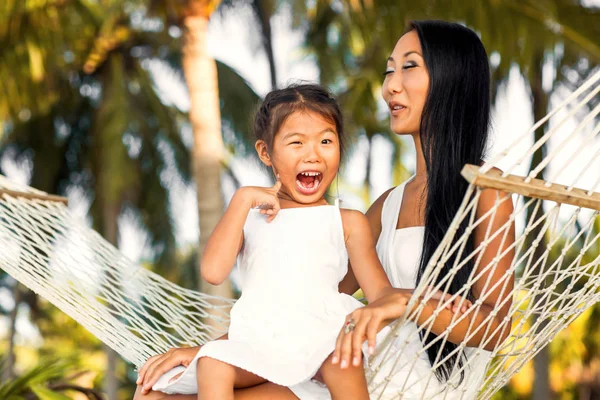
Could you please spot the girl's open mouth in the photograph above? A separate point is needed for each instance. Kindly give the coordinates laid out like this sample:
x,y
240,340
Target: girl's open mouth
x,y
308,182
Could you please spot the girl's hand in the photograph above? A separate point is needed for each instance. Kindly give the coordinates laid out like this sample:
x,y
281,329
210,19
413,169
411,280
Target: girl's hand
x,y
157,365
264,198
455,305
364,323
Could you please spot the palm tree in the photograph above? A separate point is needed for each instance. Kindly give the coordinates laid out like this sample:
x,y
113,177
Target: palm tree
x,y
205,78
106,132
113,131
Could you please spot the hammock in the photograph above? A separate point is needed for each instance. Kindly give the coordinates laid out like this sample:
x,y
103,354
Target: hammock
x,y
556,262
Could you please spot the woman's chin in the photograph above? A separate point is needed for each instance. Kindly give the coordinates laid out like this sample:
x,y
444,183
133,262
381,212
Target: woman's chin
x,y
403,131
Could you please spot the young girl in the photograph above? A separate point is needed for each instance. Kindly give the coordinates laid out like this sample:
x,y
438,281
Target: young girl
x,y
292,249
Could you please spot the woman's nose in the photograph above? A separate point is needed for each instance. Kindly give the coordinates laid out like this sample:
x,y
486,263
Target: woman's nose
x,y
394,82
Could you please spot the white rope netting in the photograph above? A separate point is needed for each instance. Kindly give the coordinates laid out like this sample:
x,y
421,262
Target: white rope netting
x,y
554,260
136,312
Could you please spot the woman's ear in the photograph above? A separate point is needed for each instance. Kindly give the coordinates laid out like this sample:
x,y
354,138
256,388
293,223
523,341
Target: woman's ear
x,y
263,152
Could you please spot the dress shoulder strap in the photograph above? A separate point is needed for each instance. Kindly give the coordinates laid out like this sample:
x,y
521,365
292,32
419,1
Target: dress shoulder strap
x,y
389,220
391,207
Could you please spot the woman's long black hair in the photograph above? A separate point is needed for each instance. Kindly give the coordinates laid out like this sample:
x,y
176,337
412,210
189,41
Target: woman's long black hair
x,y
454,132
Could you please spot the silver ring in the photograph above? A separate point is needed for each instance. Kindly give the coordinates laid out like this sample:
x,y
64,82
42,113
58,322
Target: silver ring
x,y
350,325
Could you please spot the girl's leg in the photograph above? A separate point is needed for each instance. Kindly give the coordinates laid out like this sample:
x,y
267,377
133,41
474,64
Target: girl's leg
x,y
217,379
264,391
345,384
152,395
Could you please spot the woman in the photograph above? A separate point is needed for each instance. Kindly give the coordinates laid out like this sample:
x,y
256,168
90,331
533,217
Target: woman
x,y
436,85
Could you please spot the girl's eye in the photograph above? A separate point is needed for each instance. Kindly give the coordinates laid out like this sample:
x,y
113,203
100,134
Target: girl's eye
x,y
296,142
326,141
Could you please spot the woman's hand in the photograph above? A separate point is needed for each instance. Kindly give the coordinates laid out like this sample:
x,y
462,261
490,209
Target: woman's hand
x,y
458,305
364,323
157,365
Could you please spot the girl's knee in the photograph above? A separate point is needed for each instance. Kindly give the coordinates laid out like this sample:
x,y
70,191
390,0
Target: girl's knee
x,y
151,395
211,367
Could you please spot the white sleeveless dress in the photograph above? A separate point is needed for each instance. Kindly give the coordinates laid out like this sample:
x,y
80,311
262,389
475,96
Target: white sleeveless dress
x,y
400,251
290,313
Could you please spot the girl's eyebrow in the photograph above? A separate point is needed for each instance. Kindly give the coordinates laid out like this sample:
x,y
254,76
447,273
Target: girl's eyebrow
x,y
287,136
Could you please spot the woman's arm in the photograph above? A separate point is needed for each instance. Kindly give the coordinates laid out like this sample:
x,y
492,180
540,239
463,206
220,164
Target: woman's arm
x,y
481,322
494,286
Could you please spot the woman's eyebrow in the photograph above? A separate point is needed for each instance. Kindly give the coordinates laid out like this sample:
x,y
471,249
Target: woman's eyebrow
x,y
408,53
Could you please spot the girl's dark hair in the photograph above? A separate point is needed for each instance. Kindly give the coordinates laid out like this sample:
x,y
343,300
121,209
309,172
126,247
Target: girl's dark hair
x,y
454,132
279,104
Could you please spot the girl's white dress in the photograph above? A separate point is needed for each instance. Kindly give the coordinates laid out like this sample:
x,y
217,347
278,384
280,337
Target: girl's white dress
x,y
289,315
400,251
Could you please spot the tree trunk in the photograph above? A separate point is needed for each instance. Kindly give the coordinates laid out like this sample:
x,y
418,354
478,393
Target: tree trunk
x,y
541,362
200,72
110,216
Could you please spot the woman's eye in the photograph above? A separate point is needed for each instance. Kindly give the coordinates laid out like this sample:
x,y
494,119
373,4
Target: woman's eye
x,y
388,71
326,141
409,65
296,142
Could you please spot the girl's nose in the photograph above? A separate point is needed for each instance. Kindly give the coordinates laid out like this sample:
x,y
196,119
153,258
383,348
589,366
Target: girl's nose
x,y
311,155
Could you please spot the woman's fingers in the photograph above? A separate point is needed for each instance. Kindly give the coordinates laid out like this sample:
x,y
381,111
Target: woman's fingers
x,y
346,350
335,358
160,368
144,368
371,333
466,304
149,366
358,338
460,304
170,360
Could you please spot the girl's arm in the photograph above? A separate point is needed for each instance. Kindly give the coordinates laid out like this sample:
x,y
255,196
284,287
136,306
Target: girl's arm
x,y
349,284
365,264
227,238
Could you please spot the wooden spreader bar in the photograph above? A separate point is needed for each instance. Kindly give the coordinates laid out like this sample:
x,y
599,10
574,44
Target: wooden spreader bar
x,y
534,188
34,196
